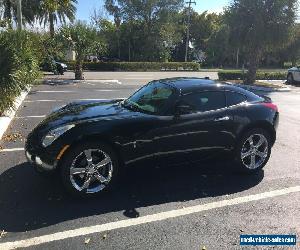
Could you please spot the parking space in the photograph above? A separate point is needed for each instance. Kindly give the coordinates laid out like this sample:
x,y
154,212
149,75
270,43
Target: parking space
x,y
32,206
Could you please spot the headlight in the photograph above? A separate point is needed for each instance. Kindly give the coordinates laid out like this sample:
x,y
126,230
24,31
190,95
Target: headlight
x,y
54,134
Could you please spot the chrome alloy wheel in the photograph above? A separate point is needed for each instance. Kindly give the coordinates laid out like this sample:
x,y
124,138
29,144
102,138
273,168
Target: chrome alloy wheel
x,y
255,151
91,171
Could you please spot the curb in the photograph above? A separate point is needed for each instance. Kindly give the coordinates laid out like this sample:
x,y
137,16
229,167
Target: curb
x,y
10,113
68,81
264,89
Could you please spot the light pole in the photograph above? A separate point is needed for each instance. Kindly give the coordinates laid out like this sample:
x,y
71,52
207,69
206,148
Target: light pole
x,y
19,14
188,30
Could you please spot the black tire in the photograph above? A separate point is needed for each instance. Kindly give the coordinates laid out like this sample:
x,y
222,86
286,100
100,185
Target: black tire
x,y
60,70
77,151
290,78
240,163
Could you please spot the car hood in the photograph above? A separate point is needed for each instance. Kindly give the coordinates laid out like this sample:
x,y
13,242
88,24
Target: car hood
x,y
77,112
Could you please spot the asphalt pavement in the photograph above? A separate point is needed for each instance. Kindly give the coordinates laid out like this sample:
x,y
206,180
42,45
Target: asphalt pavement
x,y
183,207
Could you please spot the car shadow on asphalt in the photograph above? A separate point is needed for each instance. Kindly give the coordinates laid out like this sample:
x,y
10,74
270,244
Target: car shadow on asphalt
x,y
297,85
29,202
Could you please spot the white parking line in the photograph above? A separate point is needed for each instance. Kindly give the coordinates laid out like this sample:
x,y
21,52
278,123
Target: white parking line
x,y
11,149
30,116
144,219
107,81
87,99
55,91
138,78
107,90
30,101
140,75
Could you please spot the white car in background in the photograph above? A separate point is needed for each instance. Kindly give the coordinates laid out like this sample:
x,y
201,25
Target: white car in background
x,y
293,75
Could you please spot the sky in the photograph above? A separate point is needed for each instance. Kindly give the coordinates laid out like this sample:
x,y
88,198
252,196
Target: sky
x,y
85,7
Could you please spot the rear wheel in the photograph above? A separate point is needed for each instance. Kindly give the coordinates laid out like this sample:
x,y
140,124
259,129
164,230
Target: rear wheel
x,y
61,70
89,169
253,151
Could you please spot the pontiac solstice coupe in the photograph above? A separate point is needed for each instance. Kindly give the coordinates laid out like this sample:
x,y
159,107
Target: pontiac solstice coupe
x,y
170,121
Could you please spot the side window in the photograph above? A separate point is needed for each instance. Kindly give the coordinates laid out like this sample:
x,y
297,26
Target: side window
x,y
204,101
154,98
234,98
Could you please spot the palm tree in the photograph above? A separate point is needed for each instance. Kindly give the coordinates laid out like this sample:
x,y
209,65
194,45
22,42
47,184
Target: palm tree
x,y
29,9
57,10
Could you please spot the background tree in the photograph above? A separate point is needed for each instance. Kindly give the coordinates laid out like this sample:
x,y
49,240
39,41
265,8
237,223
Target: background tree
x,y
259,26
219,51
115,11
202,28
84,40
291,52
30,9
142,22
52,11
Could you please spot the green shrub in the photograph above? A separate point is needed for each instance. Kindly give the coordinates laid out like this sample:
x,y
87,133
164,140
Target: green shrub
x,y
138,66
19,66
231,75
261,75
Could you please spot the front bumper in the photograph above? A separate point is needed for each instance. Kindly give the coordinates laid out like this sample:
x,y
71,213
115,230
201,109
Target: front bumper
x,y
39,165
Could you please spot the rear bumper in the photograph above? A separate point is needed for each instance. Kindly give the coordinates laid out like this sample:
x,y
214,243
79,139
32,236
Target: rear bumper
x,y
276,120
275,126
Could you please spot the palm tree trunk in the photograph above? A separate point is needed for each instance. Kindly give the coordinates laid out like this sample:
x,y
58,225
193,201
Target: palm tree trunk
x,y
119,49
254,57
237,58
51,24
79,70
129,50
7,13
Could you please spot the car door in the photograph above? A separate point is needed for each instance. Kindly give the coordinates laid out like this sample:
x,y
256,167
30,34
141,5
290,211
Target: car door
x,y
141,146
154,103
202,132
164,143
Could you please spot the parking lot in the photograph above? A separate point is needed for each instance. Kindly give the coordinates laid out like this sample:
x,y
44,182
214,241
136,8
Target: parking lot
x,y
182,207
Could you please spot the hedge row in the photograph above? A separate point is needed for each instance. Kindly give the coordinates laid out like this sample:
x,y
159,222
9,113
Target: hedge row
x,y
138,66
261,75
19,66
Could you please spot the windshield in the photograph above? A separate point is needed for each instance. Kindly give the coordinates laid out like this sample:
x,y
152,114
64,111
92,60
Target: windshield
x,y
154,98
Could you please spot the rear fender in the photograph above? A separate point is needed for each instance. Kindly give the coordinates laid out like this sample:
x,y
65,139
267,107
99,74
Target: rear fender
x,y
259,124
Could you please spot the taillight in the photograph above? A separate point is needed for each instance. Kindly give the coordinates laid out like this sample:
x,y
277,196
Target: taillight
x,y
271,105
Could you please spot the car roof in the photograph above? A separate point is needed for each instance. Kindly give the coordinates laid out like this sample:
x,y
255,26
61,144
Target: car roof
x,y
187,85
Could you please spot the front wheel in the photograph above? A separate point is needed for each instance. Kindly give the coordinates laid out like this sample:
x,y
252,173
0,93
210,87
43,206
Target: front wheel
x,y
89,169
253,151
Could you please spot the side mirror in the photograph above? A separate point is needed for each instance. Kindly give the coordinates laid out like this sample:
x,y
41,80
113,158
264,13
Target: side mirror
x,y
182,110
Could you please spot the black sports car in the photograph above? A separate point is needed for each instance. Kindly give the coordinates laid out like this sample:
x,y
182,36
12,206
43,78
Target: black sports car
x,y
55,67
171,121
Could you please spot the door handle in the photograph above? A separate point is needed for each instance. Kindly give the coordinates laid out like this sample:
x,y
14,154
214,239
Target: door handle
x,y
225,118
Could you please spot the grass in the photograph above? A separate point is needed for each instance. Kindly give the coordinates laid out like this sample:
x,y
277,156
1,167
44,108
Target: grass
x,y
240,69
259,83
